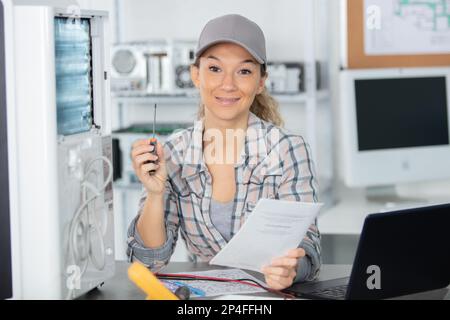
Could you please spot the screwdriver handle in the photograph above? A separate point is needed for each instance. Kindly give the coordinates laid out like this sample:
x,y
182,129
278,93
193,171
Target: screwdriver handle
x,y
153,142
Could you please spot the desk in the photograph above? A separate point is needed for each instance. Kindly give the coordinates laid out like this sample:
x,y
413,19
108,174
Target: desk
x,y
346,217
341,223
121,288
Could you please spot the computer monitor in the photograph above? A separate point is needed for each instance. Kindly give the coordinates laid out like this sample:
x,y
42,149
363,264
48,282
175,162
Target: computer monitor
x,y
394,126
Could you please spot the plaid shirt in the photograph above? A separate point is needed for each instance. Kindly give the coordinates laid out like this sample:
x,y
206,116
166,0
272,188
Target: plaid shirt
x,y
273,164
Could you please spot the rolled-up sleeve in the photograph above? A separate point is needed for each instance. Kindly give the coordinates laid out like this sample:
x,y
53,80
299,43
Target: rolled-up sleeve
x,y
155,258
299,183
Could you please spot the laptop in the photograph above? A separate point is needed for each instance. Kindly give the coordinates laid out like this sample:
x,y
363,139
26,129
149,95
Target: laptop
x,y
399,253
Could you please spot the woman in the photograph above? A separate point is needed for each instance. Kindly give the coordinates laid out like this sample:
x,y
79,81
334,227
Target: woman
x,y
210,176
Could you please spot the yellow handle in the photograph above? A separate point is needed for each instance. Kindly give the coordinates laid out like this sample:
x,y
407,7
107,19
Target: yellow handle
x,y
148,283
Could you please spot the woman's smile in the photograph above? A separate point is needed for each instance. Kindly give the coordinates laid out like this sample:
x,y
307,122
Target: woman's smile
x,y
227,101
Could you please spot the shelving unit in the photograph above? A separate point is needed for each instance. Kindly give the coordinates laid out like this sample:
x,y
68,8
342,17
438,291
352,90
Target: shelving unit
x,y
184,99
125,100
315,31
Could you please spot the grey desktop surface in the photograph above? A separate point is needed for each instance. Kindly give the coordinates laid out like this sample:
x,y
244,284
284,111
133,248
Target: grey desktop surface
x,y
121,288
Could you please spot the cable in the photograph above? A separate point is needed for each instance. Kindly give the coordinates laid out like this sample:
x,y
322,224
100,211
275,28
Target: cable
x,y
240,281
250,282
110,170
81,259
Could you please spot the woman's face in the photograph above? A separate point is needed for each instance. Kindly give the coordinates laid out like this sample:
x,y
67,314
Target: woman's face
x,y
228,78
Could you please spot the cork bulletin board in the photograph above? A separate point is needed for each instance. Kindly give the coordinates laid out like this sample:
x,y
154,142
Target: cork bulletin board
x,y
358,59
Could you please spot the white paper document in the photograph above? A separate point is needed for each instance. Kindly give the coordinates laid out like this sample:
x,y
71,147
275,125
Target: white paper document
x,y
272,229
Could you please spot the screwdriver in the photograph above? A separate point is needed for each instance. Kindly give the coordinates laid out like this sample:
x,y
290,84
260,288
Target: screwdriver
x,y
153,142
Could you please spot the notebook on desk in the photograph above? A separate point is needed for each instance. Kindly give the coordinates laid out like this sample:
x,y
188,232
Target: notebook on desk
x,y
399,253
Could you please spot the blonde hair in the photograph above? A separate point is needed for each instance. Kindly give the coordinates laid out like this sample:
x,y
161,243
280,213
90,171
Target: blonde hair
x,y
264,106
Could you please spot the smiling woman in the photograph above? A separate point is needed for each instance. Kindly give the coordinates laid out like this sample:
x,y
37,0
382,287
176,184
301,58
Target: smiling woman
x,y
211,175
228,78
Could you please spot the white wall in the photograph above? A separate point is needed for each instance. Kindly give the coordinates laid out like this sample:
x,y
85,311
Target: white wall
x,y
280,20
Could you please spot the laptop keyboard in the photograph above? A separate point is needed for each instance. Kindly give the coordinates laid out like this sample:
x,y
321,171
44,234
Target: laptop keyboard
x,y
335,293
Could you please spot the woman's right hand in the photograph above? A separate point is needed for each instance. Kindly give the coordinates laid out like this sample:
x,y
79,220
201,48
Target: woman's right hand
x,y
140,154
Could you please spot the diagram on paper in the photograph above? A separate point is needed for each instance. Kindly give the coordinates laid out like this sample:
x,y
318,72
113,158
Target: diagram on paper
x,y
406,27
211,288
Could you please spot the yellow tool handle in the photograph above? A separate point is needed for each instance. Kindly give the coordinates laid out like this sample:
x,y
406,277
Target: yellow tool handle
x,y
148,283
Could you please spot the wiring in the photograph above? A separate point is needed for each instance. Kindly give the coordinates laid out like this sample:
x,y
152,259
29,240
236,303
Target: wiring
x,y
84,223
250,282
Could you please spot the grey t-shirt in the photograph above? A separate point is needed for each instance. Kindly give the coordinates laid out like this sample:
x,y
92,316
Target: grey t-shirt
x,y
220,213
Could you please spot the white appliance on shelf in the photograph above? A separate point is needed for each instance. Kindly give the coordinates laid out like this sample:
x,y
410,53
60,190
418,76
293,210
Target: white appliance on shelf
x,y
128,68
131,68
59,149
285,77
183,56
159,67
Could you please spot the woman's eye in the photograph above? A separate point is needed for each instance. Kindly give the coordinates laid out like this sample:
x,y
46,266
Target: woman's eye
x,y
246,71
214,69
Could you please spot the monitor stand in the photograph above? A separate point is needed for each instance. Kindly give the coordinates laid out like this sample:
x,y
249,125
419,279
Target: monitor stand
x,y
388,197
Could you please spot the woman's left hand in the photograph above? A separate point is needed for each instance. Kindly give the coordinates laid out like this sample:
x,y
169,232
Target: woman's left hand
x,y
281,273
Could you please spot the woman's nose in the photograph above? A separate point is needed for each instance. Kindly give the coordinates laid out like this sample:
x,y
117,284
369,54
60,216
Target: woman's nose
x,y
228,81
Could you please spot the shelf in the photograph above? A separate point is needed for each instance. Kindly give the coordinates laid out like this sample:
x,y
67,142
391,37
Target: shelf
x,y
191,99
120,185
151,99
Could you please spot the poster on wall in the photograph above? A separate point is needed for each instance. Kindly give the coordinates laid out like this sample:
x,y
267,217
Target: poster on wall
x,y
395,33
398,27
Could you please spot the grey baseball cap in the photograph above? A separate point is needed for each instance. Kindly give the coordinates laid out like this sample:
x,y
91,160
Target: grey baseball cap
x,y
236,29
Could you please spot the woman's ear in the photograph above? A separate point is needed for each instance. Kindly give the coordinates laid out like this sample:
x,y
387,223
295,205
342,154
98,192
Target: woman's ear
x,y
195,76
262,84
